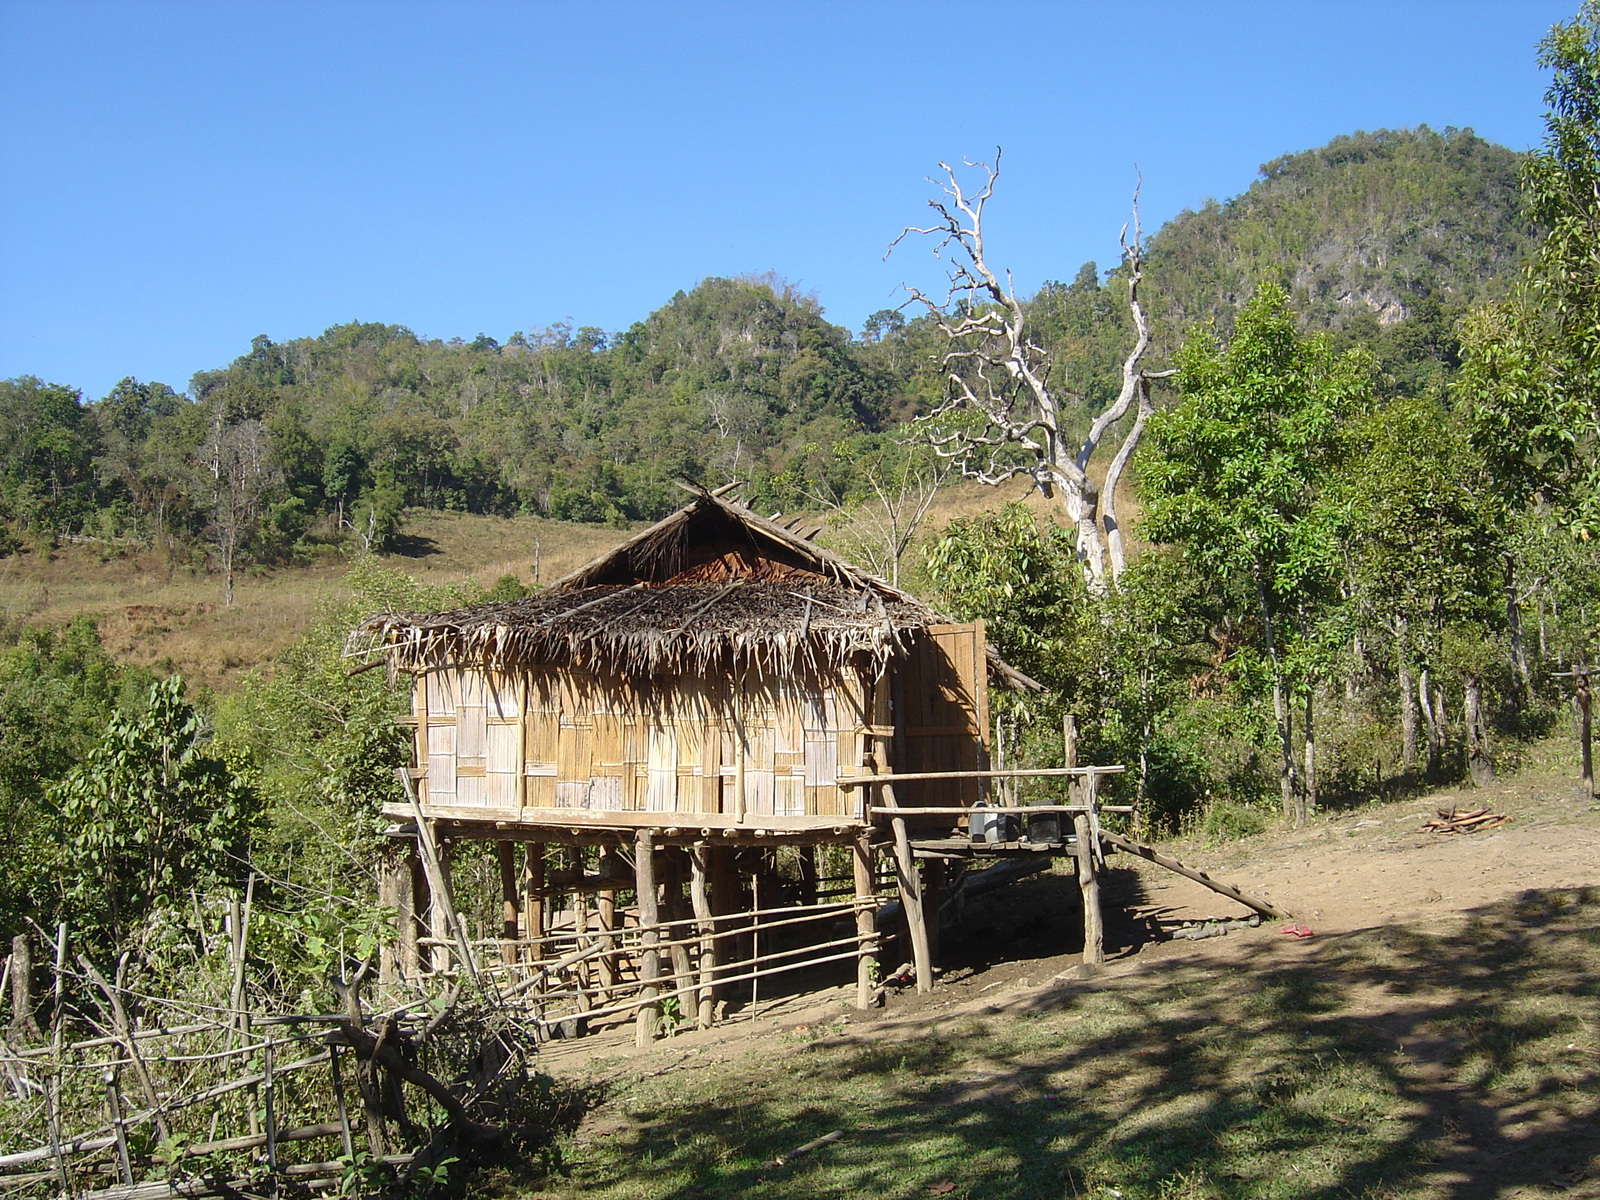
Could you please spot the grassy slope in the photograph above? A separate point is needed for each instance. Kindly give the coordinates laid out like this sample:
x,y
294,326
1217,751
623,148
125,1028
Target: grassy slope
x,y
154,612
1446,1055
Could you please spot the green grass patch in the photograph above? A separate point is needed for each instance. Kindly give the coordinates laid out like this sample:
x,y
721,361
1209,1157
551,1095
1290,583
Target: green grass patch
x,y
1345,1075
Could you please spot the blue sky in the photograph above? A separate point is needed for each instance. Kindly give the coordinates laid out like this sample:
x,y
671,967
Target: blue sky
x,y
176,178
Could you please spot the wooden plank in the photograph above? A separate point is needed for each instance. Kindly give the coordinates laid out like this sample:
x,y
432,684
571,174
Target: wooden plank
x,y
580,818
1271,911
1034,773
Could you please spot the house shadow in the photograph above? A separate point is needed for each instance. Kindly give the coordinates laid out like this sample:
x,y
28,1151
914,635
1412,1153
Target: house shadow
x,y
1389,1061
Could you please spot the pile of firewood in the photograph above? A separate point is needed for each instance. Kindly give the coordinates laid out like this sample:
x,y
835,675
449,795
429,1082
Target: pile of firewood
x,y
1456,821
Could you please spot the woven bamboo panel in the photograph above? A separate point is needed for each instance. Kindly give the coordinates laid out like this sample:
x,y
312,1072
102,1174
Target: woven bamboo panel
x,y
578,741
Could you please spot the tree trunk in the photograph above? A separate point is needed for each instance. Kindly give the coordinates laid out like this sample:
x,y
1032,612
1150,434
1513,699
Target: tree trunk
x,y
1280,712
1519,657
1478,762
1430,726
24,1029
1408,697
1582,702
1309,794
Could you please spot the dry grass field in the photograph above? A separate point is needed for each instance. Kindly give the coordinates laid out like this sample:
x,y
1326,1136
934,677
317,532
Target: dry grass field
x,y
156,611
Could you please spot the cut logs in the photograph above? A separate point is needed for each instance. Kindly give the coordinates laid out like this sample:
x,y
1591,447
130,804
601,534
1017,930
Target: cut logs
x,y
1456,821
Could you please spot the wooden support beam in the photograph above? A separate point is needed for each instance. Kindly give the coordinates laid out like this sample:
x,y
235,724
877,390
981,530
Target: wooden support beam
x,y
706,926
854,781
866,955
1084,847
910,885
648,1017
509,905
1270,911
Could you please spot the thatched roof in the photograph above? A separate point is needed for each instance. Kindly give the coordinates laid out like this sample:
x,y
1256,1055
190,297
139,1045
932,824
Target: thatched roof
x,y
714,586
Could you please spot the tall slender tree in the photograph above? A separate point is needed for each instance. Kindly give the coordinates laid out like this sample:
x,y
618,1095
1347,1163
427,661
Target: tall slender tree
x,y
1235,472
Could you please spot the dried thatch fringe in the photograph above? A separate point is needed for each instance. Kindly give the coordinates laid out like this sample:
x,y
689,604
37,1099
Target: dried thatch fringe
x,y
662,630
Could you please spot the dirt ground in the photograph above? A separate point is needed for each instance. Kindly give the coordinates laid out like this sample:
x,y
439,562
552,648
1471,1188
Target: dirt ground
x,y
1366,882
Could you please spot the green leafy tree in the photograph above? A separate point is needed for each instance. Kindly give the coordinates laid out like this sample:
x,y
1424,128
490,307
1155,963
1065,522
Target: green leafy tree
x,y
1429,554
1235,472
327,742
151,814
1531,368
57,687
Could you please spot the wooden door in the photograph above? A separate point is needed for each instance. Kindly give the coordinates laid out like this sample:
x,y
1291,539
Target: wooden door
x,y
941,706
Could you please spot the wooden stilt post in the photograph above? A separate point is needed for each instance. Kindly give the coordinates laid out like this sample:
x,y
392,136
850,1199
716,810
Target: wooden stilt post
x,y
405,913
606,906
757,896
706,926
1084,851
725,896
676,910
533,912
910,893
509,903
933,888
649,937
866,954
388,968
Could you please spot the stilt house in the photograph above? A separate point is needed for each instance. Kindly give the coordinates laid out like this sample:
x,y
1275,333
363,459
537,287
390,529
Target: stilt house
x,y
715,670
710,688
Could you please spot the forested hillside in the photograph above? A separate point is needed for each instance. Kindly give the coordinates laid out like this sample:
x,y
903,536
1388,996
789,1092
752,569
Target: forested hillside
x,y
1386,237
325,440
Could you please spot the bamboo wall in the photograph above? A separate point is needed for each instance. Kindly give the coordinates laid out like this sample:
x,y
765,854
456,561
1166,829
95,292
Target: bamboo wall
x,y
563,740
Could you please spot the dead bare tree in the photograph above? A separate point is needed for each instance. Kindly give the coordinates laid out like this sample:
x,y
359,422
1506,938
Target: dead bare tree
x,y
238,470
996,373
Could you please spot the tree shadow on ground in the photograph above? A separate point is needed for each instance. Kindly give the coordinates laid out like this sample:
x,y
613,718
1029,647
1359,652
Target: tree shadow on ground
x,y
407,545
1385,1062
